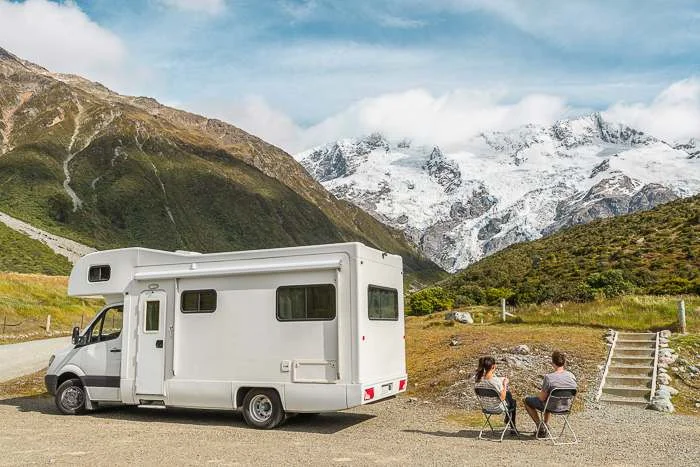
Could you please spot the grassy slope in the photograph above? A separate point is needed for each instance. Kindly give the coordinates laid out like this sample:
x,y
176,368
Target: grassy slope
x,y
27,299
658,251
20,253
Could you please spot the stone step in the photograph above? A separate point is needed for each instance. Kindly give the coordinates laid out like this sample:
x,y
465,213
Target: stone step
x,y
628,380
624,360
633,352
630,370
636,337
636,401
627,391
636,344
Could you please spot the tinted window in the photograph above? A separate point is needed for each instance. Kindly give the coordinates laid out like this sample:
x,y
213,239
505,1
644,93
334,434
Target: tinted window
x,y
306,303
383,303
152,315
99,273
198,301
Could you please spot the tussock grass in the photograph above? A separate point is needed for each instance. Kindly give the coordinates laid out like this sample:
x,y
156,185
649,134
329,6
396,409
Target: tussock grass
x,y
24,386
26,299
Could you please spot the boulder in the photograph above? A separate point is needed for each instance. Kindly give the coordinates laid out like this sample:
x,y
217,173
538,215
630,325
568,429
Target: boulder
x,y
609,340
662,393
665,334
662,405
521,349
664,378
671,391
455,342
459,316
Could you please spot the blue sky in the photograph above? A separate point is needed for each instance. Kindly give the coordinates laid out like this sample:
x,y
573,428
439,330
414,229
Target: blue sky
x,y
280,67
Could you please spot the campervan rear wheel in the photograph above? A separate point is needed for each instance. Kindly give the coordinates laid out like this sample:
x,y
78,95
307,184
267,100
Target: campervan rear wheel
x,y
71,397
262,408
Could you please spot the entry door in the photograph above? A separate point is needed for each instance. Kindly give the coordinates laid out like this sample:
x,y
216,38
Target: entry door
x,y
150,354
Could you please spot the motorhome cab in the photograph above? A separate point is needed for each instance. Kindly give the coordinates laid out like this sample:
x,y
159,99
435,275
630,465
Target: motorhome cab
x,y
269,332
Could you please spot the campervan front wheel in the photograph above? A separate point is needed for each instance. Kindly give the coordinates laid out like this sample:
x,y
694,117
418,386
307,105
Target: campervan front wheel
x,y
71,397
262,408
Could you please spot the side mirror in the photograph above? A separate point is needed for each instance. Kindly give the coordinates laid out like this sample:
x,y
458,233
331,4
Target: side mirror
x,y
76,335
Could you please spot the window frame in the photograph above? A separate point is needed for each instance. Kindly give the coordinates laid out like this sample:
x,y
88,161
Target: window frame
x,y
199,301
100,322
306,301
100,267
388,289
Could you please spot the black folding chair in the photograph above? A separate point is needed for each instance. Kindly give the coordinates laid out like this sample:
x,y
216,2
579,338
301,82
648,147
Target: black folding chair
x,y
491,404
559,402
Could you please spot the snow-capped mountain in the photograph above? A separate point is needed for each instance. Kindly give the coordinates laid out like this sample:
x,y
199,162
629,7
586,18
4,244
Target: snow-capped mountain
x,y
505,187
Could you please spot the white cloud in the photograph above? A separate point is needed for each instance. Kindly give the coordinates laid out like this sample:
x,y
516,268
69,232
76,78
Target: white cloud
x,y
211,7
399,22
61,37
447,120
299,11
673,115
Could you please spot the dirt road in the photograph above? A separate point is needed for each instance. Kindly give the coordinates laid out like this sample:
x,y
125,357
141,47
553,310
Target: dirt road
x,y
393,432
27,357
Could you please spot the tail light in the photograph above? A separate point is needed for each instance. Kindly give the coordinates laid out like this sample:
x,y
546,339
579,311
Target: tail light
x,y
402,385
369,394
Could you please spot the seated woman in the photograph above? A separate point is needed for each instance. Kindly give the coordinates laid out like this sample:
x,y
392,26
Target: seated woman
x,y
485,375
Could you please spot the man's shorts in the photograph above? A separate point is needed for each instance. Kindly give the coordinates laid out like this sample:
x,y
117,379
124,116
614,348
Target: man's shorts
x,y
534,402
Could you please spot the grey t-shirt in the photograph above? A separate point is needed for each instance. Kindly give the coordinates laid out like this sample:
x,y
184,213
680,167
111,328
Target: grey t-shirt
x,y
564,379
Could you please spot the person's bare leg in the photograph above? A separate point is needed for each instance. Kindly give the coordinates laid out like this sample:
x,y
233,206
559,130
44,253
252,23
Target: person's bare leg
x,y
533,415
546,417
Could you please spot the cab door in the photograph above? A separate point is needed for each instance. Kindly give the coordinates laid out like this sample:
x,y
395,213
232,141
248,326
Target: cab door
x,y
100,356
150,346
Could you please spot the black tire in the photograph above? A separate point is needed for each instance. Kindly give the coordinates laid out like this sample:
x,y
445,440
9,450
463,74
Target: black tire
x,y
71,397
262,408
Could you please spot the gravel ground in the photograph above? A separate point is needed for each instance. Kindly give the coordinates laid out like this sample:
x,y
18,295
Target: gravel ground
x,y
392,432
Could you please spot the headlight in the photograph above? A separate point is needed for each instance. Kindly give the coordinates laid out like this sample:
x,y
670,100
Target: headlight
x,y
51,359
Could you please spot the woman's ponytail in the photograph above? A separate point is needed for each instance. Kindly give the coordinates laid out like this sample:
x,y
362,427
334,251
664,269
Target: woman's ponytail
x,y
485,365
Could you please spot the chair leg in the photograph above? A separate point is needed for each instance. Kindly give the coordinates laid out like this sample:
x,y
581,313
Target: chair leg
x,y
573,433
487,422
493,430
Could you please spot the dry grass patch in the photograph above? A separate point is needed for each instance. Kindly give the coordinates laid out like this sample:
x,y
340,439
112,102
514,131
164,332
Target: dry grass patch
x,y
442,372
24,386
688,349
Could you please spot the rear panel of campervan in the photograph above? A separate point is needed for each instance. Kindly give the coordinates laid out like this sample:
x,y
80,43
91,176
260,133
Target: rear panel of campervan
x,y
381,363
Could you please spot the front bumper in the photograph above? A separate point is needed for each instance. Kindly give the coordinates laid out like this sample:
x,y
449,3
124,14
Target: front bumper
x,y
50,382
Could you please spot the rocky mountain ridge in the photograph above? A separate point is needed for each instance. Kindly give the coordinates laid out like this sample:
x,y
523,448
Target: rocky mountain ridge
x,y
107,170
505,187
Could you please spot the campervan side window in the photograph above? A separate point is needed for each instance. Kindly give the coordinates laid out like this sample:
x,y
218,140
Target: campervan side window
x,y
198,301
306,303
383,303
99,273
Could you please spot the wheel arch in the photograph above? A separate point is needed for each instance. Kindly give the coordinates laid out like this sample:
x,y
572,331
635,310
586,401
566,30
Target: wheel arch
x,y
241,392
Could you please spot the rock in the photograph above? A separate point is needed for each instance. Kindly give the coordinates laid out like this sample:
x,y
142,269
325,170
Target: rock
x,y
665,334
662,405
610,332
412,399
454,342
609,340
697,405
662,369
663,365
521,349
462,372
693,369
664,378
662,393
668,389
518,361
459,316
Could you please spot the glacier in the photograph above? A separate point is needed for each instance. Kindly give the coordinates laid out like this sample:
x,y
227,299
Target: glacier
x,y
504,187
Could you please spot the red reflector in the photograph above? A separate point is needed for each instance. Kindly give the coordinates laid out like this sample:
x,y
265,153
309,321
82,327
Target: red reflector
x,y
402,385
369,394
363,337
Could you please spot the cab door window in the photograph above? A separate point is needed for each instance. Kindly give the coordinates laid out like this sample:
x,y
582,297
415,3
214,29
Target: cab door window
x,y
108,326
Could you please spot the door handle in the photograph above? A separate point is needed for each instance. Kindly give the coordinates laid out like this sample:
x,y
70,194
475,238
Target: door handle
x,y
115,350
159,344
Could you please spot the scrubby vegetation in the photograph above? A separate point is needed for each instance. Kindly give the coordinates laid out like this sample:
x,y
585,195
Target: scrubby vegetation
x,y
656,252
20,253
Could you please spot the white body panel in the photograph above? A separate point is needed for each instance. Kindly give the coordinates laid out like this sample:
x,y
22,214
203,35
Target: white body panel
x,y
209,359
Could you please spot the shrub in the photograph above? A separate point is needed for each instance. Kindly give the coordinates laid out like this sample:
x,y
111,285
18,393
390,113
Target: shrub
x,y
612,283
429,300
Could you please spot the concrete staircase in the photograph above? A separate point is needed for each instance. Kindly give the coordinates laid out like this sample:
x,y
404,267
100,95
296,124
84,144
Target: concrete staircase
x,y
631,370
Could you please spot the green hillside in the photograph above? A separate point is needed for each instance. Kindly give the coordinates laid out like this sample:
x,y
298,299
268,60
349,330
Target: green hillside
x,y
143,174
652,252
20,253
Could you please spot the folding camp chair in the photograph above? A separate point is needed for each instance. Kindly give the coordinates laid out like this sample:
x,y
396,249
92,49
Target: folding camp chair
x,y
491,404
559,402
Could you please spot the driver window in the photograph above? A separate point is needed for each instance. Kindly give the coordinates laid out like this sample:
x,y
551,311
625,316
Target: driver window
x,y
108,326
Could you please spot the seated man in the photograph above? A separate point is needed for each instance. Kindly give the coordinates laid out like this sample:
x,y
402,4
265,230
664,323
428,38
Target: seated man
x,y
560,378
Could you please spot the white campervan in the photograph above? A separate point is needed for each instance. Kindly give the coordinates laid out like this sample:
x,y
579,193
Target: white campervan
x,y
270,332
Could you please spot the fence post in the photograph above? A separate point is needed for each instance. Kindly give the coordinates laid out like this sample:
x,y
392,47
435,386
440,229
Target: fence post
x,y
503,310
4,322
48,324
681,316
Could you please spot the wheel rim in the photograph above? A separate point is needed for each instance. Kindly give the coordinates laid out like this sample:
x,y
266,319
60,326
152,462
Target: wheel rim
x,y
73,398
260,408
